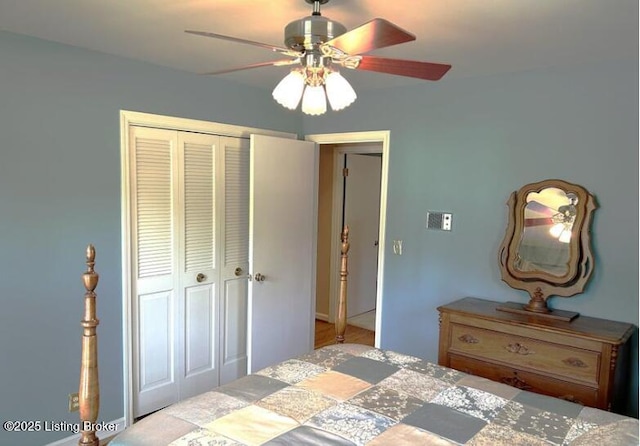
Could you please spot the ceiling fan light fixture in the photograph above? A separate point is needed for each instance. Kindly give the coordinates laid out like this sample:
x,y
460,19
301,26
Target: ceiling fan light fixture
x,y
315,43
289,90
557,230
339,91
565,237
314,101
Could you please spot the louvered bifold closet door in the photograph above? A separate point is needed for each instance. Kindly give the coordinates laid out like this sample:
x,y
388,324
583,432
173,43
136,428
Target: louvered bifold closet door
x,y
235,258
198,263
152,156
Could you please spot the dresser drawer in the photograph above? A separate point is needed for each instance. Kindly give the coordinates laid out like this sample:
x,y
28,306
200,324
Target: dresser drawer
x,y
524,380
584,360
521,353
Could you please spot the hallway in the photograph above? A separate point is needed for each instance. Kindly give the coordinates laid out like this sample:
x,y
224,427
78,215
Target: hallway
x,y
326,335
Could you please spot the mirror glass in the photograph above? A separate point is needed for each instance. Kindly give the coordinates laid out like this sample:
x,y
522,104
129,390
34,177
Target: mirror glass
x,y
549,216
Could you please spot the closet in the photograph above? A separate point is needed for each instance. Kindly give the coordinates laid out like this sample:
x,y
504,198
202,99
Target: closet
x,y
189,211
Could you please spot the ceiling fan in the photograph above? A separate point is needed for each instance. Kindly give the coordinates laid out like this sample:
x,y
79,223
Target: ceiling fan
x,y
540,214
316,46
561,220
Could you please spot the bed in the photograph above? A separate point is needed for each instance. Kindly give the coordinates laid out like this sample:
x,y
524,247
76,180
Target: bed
x,y
350,394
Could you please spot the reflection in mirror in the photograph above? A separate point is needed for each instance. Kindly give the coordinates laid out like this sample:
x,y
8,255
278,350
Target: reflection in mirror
x,y
548,220
547,245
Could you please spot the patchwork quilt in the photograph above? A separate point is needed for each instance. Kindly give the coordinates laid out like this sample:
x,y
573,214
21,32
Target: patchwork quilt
x,y
358,395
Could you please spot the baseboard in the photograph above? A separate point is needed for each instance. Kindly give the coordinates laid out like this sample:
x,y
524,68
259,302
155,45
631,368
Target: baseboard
x,y
111,428
322,317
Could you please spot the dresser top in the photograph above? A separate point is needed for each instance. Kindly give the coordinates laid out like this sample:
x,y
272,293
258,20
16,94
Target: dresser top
x,y
612,332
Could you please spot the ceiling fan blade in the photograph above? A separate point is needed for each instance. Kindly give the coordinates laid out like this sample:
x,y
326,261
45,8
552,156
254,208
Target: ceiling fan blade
x,y
536,206
538,222
274,63
377,33
277,49
409,68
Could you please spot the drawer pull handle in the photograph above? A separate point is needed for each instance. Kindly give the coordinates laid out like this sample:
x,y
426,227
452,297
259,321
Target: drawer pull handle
x,y
574,362
519,349
516,382
468,339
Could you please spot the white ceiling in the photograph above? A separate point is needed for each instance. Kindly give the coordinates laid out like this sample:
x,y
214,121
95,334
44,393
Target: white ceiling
x,y
477,37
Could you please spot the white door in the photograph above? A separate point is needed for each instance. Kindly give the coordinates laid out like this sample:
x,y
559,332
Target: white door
x,y
234,306
198,259
362,215
189,207
154,275
283,208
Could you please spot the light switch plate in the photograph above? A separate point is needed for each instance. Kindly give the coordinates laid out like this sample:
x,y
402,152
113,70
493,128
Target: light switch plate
x,y
446,222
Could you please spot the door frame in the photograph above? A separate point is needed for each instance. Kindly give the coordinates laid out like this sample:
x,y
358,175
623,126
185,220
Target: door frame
x,y
378,137
133,118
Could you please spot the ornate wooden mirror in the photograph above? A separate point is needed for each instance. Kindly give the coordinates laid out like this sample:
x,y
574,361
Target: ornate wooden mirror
x,y
546,249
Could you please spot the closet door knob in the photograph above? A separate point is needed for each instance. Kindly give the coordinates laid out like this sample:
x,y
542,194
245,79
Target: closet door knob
x,y
259,277
201,277
238,272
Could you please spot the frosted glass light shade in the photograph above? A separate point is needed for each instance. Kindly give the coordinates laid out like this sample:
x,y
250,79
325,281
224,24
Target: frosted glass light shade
x,y
314,101
565,237
289,90
339,91
556,230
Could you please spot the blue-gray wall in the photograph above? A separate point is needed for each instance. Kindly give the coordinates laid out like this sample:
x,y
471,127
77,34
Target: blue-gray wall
x,y
463,146
457,145
59,191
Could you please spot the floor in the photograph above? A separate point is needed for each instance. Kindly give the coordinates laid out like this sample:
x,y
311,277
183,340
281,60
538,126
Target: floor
x,y
326,335
365,320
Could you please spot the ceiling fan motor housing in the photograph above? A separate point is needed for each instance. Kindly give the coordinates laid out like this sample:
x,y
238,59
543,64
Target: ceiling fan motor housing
x,y
308,33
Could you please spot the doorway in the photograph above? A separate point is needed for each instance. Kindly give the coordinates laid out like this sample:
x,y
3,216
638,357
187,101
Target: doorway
x,y
365,281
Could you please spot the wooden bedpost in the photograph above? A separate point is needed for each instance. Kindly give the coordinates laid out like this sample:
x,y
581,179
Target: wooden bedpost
x,y
341,317
89,391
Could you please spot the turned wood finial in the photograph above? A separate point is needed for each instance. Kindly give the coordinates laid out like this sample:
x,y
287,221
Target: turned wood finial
x,y
538,302
345,240
341,318
89,391
90,277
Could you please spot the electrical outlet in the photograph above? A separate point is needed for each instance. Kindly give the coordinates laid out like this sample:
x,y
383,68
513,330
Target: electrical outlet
x,y
74,402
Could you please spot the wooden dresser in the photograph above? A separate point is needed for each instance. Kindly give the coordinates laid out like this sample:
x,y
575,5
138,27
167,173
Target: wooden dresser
x,y
584,361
